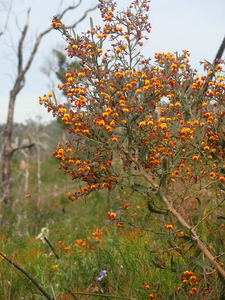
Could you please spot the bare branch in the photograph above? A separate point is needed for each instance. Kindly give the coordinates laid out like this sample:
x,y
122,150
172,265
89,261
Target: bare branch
x,y
82,18
20,45
220,52
69,8
215,62
38,40
7,20
23,147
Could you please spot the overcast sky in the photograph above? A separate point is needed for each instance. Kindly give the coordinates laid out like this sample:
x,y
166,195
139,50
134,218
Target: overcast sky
x,y
194,25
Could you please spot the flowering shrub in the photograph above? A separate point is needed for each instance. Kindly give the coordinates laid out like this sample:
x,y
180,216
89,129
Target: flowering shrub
x,y
173,159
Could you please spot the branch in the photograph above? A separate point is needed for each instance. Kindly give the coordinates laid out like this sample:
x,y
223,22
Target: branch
x,y
82,18
41,35
69,8
220,52
20,45
51,247
72,295
7,20
215,63
180,219
27,275
23,147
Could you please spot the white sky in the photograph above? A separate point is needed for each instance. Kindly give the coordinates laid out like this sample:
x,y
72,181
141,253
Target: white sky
x,y
194,25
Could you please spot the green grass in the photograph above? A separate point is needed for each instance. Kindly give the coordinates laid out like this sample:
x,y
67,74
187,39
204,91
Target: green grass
x,y
134,255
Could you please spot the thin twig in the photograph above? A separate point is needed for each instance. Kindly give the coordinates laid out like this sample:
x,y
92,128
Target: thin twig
x,y
52,248
72,294
27,275
103,295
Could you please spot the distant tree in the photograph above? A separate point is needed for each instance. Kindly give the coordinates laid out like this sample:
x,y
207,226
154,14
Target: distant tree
x,y
22,69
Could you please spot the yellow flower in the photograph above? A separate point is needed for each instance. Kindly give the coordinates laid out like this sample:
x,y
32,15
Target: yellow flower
x,y
118,50
138,91
169,226
54,266
195,157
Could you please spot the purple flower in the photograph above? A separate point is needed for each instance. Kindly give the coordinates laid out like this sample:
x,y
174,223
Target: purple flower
x,y
102,274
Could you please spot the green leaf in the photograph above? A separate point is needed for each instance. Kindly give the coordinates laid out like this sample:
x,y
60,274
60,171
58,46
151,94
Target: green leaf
x,y
74,34
200,263
150,208
176,267
91,23
159,198
100,44
139,187
185,238
159,264
183,228
92,143
217,242
199,210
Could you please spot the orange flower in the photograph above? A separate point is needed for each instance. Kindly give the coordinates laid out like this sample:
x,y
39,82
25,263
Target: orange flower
x,y
85,189
222,179
169,226
111,215
146,286
114,139
195,157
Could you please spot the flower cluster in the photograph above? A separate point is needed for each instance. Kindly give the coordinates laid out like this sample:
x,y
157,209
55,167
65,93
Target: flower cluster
x,y
81,245
190,285
148,287
127,114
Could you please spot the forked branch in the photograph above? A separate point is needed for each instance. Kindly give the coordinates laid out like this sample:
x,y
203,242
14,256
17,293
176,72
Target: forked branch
x,y
193,234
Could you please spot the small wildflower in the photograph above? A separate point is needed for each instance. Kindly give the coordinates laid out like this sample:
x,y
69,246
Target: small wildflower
x,y
111,215
146,286
54,266
169,226
43,234
102,274
118,50
195,157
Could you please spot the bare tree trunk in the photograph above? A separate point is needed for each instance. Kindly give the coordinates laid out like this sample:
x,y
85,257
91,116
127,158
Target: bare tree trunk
x,y
18,85
8,149
38,173
27,173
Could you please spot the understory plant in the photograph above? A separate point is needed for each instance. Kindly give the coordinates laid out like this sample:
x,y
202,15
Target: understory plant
x,y
153,128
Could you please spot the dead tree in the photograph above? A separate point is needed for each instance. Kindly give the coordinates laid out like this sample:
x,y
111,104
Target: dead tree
x,y
216,61
19,83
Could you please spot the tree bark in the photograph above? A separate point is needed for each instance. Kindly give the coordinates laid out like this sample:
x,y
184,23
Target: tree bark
x,y
8,149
